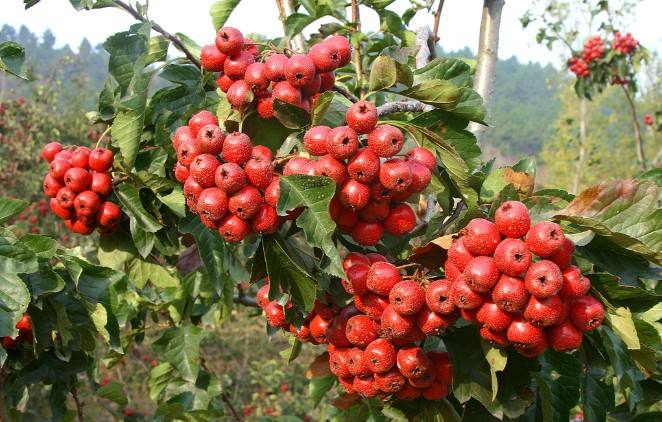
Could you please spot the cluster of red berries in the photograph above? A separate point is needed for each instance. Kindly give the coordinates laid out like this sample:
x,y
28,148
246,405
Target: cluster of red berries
x,y
648,119
493,278
372,183
78,184
594,49
624,44
294,80
228,182
579,67
24,326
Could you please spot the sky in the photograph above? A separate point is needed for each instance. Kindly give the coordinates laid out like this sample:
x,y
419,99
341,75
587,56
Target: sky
x,y
459,26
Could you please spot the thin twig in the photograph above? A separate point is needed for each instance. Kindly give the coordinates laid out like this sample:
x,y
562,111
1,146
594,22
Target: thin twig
x,y
437,17
158,28
245,300
641,156
358,65
401,107
79,404
227,401
346,93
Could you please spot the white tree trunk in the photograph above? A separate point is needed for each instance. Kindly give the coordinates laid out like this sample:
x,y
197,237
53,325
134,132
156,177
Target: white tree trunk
x,y
488,47
579,166
298,43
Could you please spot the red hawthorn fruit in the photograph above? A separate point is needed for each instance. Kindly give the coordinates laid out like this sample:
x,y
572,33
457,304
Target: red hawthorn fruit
x,y
314,140
299,70
400,220
564,337
245,203
229,40
50,149
237,148
375,211
563,257
285,92
309,90
354,195
87,203
224,82
262,296
256,77
181,173
80,157
375,257
423,156
364,166
342,142
100,160
211,139
481,274
348,219
275,67
356,363
212,203
459,255
525,336
332,168
431,323
259,172
343,46
367,234
187,152
203,168
437,296
59,168
413,362
512,257
235,65
60,211
325,56
347,384
391,381
102,184
24,324
275,314
200,120
394,325
328,80
380,355
362,117
420,176
109,215
395,175
230,177
371,304
318,327
493,317
512,219
360,330
81,227
510,294
436,391
463,296
266,220
481,237
211,58
407,297
451,272
379,193
51,186
496,338
65,198
386,140
543,279
265,106
408,392
382,277
239,94
180,135
357,276
272,192
545,238
586,313
442,367
365,386
575,285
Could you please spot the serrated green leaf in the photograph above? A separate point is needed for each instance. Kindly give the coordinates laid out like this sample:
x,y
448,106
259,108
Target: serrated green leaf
x,y
314,193
597,391
320,106
113,391
220,11
10,207
175,201
558,385
14,299
211,249
44,281
142,271
627,373
319,386
455,71
296,22
42,246
158,49
497,359
621,322
293,351
383,74
180,346
12,59
131,205
291,116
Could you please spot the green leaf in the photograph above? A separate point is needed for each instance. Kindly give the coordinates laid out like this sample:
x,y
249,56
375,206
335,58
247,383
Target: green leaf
x,y
10,207
16,258
497,359
141,271
435,92
293,351
191,45
558,385
624,211
597,390
383,74
14,299
270,133
113,391
130,198
627,373
455,71
12,59
42,246
314,193
291,116
287,274
498,179
296,22
320,106
180,346
158,49
43,281
220,11
319,386
211,249
620,320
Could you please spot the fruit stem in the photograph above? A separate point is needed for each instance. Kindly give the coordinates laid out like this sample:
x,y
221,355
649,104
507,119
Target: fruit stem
x,y
105,132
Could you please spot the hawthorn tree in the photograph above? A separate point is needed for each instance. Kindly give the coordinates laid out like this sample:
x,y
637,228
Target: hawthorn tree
x,y
162,270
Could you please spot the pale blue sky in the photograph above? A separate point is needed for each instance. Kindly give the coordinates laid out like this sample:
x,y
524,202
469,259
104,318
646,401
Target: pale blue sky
x,y
459,24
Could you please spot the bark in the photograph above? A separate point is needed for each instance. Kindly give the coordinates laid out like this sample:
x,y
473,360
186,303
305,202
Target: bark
x,y
358,64
579,165
639,142
298,43
488,47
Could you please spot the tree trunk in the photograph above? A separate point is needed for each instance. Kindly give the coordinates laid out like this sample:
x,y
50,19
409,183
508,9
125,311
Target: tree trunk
x,y
638,141
488,47
285,9
579,166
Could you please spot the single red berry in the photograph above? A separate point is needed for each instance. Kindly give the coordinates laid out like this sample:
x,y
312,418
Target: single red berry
x,y
237,148
495,338
481,274
50,149
347,219
299,70
262,152
386,140
424,381
391,381
510,294
342,142
525,336
328,80
211,138
297,165
314,140
395,175
543,279
423,156
394,325
230,177
564,337
211,58
367,234
512,219
442,367
332,168
245,203
586,313
408,392
239,94
203,169
371,304
60,211
575,285
275,314
407,297
365,386
87,203
285,92
275,67
413,362
65,198
481,237
380,355
400,220
325,56
347,383
102,183
420,176
262,296
459,255
187,152
356,362
272,192
212,203
259,172
318,327
109,214
256,77
51,186
379,193
433,324
463,296
224,82
512,257
563,257
354,195
357,276
192,190
375,211
310,89
229,40
180,135
77,179
360,331
544,312
200,120
451,272
24,324
436,391
59,168
354,258
265,106
80,157
343,46
437,296
265,220
382,277
364,166
545,238
493,317
362,117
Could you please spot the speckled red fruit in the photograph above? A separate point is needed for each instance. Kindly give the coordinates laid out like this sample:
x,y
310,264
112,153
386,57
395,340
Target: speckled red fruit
x,y
325,56
102,183
563,257
65,197
211,58
347,384
330,167
235,65
60,211
493,317
230,177
297,165
586,313
395,175
391,381
459,255
80,157
420,176
224,82
203,169
362,117
256,77
239,94
245,203
77,179
357,276
347,219
233,228
575,285
394,325
400,220
365,386
318,327
386,140
380,355
361,330
564,337
265,220
510,294
50,149
275,67
309,90
328,79
356,363
354,195
192,190
272,192
342,142
437,296
187,152
364,166
481,274
354,258
87,203
413,362
212,203
371,304
495,338
375,211
481,237
451,272
299,70
407,297
262,296
180,135
382,277
525,336
200,120
229,40
367,234
375,257
59,168
463,296
314,140
109,214
431,323
237,148
265,106
259,172
512,219
545,238
423,156
343,46
543,279
408,392
100,160
275,314
512,257
285,92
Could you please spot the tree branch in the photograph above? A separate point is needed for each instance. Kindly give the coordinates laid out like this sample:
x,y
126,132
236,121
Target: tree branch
x,y
358,65
245,300
79,405
437,18
423,54
401,107
158,28
639,144
346,93
285,9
